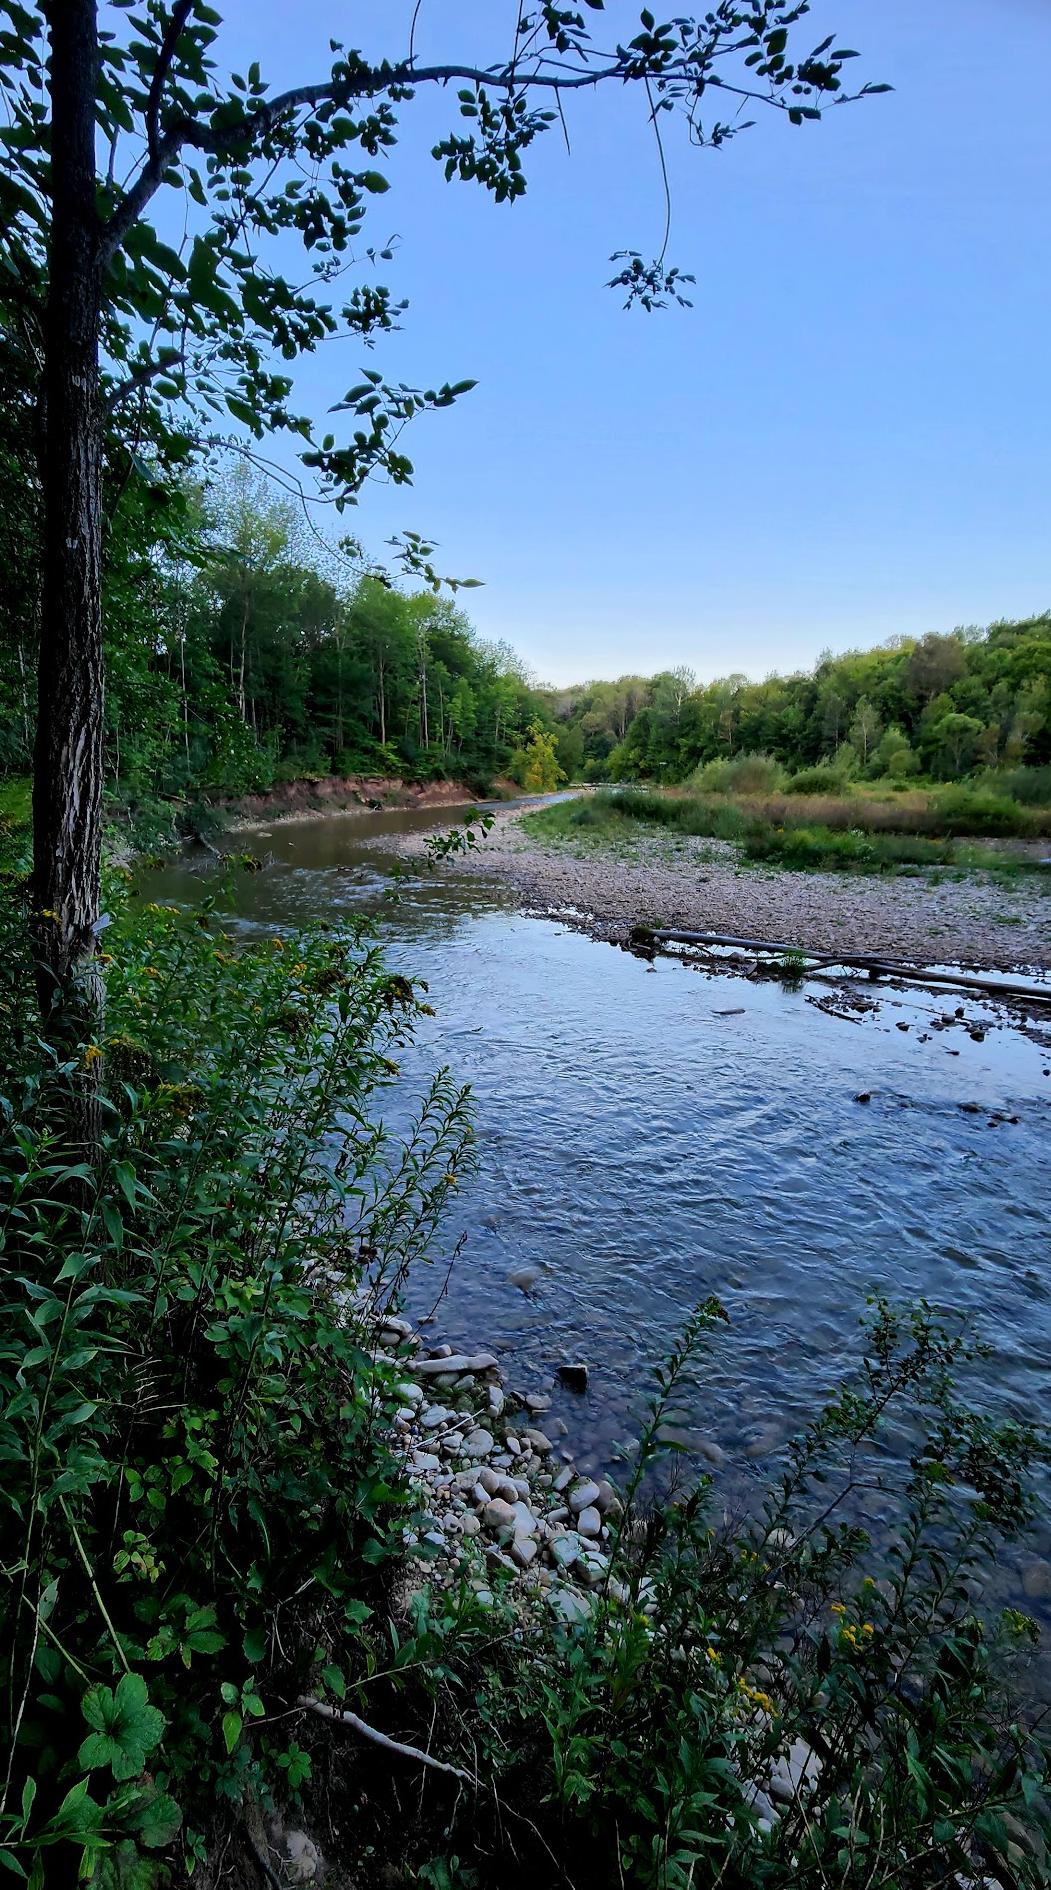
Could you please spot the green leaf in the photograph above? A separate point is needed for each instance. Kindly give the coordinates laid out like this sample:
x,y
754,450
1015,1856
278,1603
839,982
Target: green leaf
x,y
232,1723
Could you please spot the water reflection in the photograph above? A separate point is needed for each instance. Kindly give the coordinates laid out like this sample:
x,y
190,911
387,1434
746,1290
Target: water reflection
x,y
649,1135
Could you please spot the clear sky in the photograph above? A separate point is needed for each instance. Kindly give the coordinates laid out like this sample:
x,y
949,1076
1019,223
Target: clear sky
x,y
846,437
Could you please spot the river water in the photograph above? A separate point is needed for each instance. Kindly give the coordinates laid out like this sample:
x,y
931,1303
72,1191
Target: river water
x,y
648,1135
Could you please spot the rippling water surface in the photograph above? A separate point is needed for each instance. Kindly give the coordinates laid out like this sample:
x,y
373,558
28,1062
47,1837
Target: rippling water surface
x,y
649,1135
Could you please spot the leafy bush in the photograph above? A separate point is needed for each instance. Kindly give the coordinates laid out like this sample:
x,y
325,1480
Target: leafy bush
x,y
819,780
743,774
199,1493
963,811
1031,786
638,1744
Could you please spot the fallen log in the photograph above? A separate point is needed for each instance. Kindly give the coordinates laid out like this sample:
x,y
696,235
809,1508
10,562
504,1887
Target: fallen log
x,y
855,961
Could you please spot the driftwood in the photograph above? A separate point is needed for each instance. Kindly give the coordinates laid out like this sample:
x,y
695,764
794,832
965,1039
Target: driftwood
x,y
876,967
343,1717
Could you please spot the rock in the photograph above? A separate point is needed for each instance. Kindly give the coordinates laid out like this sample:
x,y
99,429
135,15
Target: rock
x,y
440,1351
496,1401
513,1444
435,1415
589,1522
537,1401
424,1460
409,1394
574,1376
435,1538
525,1278
540,1442
479,1443
453,1363
499,1516
525,1522
303,1859
864,1095
797,1768
607,1498
484,1597
1036,1581
490,1480
573,1607
564,1478
583,1497
470,1525
565,1550
523,1551
901,1026
400,1327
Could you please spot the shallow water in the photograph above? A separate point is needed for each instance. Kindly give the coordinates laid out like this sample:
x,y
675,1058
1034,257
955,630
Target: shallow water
x,y
650,1135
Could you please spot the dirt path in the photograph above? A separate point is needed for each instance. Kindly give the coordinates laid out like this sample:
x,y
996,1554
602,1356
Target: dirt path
x,y
698,883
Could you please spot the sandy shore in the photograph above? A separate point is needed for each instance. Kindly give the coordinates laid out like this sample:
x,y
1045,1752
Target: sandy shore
x,y
698,883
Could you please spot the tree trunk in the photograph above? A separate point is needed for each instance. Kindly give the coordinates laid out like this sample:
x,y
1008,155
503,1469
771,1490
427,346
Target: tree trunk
x,y
67,773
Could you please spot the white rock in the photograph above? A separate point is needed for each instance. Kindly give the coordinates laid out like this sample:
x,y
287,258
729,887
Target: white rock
x,y
589,1522
523,1551
434,1416
498,1515
573,1607
453,1362
496,1401
423,1461
469,1525
409,1394
564,1478
525,1521
479,1444
303,1857
565,1550
585,1496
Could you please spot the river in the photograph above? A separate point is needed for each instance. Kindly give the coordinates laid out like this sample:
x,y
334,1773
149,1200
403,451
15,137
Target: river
x,y
648,1135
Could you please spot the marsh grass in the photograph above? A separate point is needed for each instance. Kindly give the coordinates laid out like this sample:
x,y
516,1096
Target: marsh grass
x,y
821,833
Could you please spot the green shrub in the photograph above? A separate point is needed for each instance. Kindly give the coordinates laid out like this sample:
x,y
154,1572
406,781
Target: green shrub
x,y
1031,786
822,779
200,1500
743,774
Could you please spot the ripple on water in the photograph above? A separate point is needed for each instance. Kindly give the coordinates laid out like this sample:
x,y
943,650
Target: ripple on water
x,y
649,1139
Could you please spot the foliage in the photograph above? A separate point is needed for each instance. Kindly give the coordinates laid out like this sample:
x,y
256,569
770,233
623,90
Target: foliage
x,y
852,834
198,1484
946,705
634,1745
535,765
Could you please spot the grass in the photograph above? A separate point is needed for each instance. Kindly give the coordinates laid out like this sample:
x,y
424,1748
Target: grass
x,y
802,832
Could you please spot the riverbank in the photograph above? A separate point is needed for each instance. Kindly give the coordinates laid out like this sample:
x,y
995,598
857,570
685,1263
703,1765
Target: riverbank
x,y
701,884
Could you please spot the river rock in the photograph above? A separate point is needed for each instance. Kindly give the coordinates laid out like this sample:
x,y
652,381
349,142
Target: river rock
x,y
490,1480
435,1415
564,1478
496,1401
479,1443
539,1441
575,1376
796,1768
589,1522
525,1278
573,1607
453,1363
537,1402
499,1516
409,1394
525,1522
565,1549
523,1551
1036,1581
583,1497
302,1857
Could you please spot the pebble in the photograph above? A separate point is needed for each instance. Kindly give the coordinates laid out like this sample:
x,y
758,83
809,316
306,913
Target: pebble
x,y
795,1768
589,1522
435,1415
479,1443
496,1401
523,1551
537,1401
570,1604
563,1479
409,1394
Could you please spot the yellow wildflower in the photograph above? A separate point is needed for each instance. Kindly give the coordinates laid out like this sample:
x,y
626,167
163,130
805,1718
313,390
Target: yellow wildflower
x,y
714,1656
92,1053
838,1608
152,972
278,944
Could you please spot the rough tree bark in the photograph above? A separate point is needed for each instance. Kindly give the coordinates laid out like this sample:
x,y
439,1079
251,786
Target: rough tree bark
x,y
67,774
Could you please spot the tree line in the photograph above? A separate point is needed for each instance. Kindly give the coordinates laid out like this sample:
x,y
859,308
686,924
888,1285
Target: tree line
x,y
943,706
242,649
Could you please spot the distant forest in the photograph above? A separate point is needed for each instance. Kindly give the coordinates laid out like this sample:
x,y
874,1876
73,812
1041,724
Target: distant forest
x,y
945,707
243,650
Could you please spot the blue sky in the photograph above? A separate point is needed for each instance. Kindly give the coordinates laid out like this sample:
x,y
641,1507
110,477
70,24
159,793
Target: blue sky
x,y
847,437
